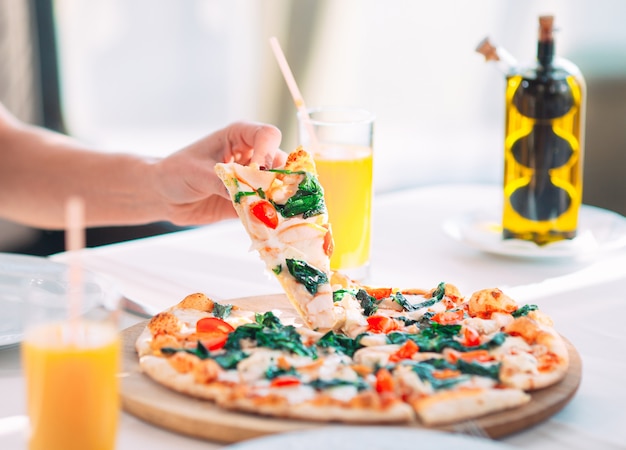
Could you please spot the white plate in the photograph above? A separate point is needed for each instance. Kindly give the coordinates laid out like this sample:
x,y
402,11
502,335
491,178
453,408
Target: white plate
x,y
599,231
370,438
18,272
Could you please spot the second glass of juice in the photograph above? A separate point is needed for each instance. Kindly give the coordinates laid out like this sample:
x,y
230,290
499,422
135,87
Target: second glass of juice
x,y
342,147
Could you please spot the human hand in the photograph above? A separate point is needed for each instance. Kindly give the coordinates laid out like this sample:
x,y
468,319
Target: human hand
x,y
186,180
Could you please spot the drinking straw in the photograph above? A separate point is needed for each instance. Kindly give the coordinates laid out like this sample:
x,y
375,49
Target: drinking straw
x,y
293,88
74,241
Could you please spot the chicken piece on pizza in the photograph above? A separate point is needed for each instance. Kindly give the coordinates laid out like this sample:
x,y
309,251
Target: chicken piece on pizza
x,y
284,213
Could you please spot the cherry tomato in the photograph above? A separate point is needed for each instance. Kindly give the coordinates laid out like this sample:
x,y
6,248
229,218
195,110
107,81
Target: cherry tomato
x,y
214,342
474,355
329,243
265,212
384,381
213,325
470,336
213,332
285,381
448,317
408,349
381,324
379,293
477,355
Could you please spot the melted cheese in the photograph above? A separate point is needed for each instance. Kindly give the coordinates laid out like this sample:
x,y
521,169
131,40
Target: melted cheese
x,y
409,379
520,363
189,317
349,316
483,326
512,345
231,376
342,393
296,394
373,339
331,366
253,368
373,356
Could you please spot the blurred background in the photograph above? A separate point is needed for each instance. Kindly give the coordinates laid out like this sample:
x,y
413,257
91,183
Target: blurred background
x,y
151,76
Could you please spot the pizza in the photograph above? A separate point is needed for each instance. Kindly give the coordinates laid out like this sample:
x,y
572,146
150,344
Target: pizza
x,y
284,212
352,353
397,356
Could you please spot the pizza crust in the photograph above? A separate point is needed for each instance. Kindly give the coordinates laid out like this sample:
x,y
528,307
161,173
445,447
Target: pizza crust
x,y
457,405
362,409
162,372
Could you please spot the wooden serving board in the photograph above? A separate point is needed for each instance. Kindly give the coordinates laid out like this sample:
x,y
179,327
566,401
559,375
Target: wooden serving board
x,y
168,409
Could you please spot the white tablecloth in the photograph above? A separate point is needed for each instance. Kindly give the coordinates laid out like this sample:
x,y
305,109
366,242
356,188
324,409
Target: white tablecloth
x,y
586,298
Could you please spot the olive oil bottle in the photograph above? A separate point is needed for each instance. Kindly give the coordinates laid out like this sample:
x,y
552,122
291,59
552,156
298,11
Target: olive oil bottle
x,y
543,146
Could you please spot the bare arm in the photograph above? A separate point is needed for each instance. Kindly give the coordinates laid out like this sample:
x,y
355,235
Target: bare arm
x,y
40,169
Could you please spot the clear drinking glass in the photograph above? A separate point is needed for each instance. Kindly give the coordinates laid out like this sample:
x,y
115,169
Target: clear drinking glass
x,y
71,360
342,148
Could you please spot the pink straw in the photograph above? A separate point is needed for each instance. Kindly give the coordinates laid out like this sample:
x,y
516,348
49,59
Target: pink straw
x,y
75,241
293,88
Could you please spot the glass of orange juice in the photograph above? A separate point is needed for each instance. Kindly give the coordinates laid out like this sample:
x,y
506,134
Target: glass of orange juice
x,y
71,358
342,147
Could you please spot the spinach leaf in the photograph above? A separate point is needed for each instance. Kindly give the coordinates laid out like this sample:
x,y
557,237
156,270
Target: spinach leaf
x,y
200,351
269,320
407,321
308,199
436,329
468,367
306,275
524,310
277,269
440,364
424,370
285,339
241,194
229,360
338,294
221,311
402,301
439,292
437,296
287,171
319,384
274,371
398,337
340,343
483,370
246,331
429,341
368,303
269,332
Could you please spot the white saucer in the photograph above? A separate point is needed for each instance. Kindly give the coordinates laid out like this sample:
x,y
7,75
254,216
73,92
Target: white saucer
x,y
599,231
370,438
18,272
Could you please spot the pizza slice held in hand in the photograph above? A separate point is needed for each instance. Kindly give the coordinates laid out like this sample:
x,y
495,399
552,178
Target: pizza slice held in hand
x,y
284,213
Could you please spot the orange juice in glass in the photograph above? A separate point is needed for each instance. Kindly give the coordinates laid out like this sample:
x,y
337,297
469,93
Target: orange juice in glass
x,y
71,366
342,149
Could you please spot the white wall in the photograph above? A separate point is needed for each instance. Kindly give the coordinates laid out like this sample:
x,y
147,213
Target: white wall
x,y
153,82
